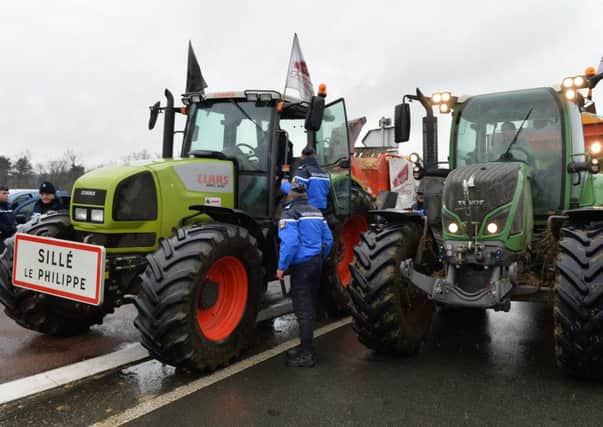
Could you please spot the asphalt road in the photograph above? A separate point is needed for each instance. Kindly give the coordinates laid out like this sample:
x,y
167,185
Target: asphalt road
x,y
475,369
24,352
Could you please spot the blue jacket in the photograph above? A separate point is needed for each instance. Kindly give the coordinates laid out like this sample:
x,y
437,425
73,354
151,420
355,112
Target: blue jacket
x,y
41,208
304,233
316,181
8,222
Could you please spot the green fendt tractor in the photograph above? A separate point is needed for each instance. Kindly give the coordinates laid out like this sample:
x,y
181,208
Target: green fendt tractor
x,y
195,237
517,217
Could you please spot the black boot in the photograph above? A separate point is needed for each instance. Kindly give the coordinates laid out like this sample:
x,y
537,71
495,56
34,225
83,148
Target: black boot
x,y
303,359
292,352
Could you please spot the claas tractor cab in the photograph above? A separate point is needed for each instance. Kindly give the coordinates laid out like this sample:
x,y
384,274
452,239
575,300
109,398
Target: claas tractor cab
x,y
517,216
192,239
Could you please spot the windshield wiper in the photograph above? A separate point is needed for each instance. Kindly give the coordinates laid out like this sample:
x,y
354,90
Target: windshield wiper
x,y
245,114
506,155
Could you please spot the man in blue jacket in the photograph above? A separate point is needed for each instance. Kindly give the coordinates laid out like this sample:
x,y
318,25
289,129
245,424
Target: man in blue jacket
x,y
8,222
305,241
313,177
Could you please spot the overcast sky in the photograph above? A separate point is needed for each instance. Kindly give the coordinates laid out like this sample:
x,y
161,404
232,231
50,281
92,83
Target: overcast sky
x,y
80,75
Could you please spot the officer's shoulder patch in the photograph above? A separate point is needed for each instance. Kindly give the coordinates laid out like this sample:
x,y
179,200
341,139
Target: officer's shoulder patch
x,y
282,224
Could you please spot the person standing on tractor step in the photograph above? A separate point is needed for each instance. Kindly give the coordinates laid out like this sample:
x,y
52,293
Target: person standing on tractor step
x,y
48,200
313,177
8,222
305,241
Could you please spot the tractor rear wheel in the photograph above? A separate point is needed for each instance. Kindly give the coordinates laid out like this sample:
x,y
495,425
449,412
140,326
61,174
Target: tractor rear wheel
x,y
41,312
336,277
578,313
390,314
199,296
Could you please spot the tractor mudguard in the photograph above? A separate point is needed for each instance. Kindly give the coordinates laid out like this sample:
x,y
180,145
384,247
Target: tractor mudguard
x,y
232,216
580,215
397,216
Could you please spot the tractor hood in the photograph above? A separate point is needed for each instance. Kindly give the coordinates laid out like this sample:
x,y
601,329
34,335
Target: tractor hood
x,y
488,201
128,208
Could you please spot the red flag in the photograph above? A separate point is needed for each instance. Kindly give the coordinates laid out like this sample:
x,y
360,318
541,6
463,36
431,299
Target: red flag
x,y
298,77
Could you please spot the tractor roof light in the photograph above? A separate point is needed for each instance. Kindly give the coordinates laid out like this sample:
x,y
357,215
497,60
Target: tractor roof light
x,y
570,94
596,148
444,100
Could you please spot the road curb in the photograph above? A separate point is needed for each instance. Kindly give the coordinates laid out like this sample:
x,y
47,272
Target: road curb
x,y
25,387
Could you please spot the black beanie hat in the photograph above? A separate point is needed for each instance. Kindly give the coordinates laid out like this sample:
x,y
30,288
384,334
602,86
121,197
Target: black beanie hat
x,y
47,188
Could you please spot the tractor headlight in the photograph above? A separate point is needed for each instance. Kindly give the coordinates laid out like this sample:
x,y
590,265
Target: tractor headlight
x,y
414,157
595,167
444,108
446,96
453,227
492,228
579,81
596,147
97,215
80,214
436,98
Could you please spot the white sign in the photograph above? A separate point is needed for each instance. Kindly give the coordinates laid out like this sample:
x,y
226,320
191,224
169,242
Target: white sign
x,y
401,181
207,177
61,268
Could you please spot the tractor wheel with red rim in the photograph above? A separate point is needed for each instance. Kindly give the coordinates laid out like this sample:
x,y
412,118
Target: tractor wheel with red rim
x,y
346,235
199,296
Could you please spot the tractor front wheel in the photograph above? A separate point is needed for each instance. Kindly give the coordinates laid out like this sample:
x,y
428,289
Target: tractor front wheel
x,y
390,314
578,313
199,296
41,312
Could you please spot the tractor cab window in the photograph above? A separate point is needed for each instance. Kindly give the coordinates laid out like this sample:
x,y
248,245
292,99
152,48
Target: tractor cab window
x,y
526,125
239,129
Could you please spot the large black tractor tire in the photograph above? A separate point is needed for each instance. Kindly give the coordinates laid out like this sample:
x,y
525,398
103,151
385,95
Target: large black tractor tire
x,y
336,275
578,313
199,296
41,312
390,314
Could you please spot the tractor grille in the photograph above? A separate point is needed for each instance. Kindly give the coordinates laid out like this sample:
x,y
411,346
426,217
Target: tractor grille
x,y
120,240
494,186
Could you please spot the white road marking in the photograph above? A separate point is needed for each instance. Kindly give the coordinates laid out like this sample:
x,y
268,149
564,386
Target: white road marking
x,y
150,405
54,378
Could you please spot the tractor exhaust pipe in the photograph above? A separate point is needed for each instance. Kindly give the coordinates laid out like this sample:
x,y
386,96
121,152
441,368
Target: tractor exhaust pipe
x,y
168,126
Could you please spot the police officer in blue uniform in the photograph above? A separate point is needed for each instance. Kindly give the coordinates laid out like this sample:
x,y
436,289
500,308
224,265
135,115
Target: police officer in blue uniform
x,y
313,177
305,241
48,200
8,222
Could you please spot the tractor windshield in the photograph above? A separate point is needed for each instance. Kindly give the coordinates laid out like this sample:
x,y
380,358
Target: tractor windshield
x,y
239,129
523,126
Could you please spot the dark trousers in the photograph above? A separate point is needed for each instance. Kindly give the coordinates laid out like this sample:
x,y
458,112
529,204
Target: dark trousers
x,y
305,282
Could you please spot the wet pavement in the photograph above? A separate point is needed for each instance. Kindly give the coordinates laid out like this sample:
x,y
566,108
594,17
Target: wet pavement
x,y
476,368
24,352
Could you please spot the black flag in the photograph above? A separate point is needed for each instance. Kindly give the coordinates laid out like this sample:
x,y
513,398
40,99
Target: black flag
x,y
194,79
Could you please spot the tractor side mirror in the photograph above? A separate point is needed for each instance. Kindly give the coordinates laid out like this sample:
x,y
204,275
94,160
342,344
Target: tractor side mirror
x,y
402,122
315,114
153,115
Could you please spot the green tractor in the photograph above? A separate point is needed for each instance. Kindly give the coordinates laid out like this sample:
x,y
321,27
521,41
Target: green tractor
x,y
517,217
192,241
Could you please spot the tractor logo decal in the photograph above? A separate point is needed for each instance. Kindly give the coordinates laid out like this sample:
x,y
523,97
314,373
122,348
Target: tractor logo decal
x,y
207,177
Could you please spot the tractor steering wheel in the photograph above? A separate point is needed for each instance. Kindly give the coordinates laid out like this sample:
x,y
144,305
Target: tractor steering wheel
x,y
252,155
